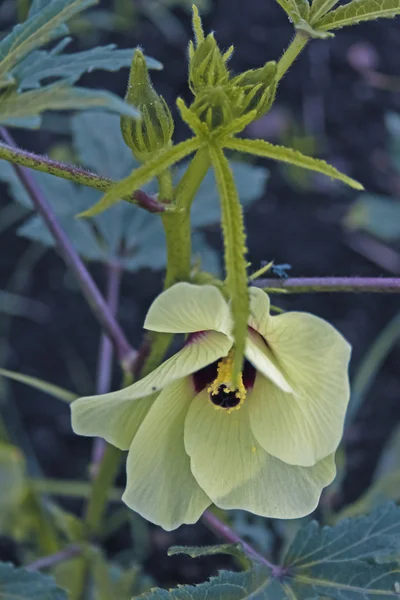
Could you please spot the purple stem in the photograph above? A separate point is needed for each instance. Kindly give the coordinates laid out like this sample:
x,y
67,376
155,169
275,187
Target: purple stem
x,y
225,532
388,285
31,160
125,352
53,559
105,358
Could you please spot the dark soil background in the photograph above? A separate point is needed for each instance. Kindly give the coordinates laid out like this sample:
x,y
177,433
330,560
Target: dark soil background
x,y
329,95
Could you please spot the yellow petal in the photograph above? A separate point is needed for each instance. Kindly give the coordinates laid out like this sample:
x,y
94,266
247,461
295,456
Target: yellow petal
x,y
160,485
264,361
114,417
236,472
186,308
302,428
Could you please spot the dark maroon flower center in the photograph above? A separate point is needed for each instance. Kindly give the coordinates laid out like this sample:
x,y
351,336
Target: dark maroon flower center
x,y
205,376
225,398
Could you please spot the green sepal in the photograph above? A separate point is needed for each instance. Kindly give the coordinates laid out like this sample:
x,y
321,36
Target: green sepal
x,y
207,67
235,252
161,160
293,157
306,28
259,88
154,130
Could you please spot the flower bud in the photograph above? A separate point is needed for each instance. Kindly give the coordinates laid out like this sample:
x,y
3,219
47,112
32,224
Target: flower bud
x,y
154,129
259,88
207,66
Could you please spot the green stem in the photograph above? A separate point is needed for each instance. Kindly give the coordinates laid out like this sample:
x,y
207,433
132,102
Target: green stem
x,y
75,174
178,236
291,53
97,502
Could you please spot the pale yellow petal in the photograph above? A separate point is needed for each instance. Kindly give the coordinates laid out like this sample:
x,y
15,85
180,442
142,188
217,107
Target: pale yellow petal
x,y
160,485
259,310
200,352
306,426
187,308
236,472
115,417
264,361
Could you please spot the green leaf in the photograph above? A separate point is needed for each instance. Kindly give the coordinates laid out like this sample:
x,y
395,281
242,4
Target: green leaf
x,y
235,251
98,142
58,96
331,562
39,384
290,156
319,8
40,28
196,551
378,215
19,306
358,11
303,8
21,584
41,64
160,162
392,121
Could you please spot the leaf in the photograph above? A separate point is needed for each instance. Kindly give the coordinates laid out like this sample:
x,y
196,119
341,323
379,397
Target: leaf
x,y
58,96
98,142
393,126
358,11
160,162
235,251
378,215
319,8
40,28
21,584
41,64
290,156
305,27
19,306
39,384
196,551
330,562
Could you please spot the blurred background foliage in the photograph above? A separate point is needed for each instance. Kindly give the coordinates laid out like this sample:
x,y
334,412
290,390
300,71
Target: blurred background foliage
x,y
340,101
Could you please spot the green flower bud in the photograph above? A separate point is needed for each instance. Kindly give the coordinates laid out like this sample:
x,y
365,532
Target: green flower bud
x,y
207,67
154,129
216,107
259,88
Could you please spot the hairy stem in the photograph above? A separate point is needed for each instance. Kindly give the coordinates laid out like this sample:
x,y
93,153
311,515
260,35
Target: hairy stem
x,y
126,353
291,53
73,173
299,285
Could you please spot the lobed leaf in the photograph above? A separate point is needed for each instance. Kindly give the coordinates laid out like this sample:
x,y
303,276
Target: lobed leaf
x,y
58,96
330,562
290,156
378,215
41,27
319,8
235,251
358,11
40,64
21,584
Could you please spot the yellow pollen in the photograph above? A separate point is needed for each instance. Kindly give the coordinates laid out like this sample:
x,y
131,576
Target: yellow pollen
x,y
224,380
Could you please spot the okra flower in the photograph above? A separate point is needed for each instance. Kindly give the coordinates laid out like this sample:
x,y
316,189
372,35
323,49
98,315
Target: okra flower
x,y
266,445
